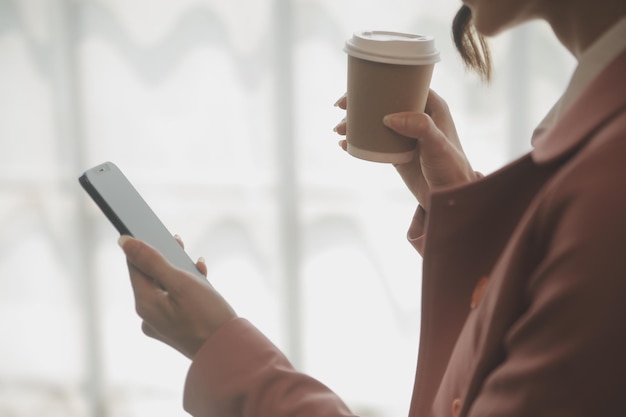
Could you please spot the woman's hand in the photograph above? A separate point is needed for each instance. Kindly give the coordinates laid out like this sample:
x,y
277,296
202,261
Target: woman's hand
x,y
439,159
177,308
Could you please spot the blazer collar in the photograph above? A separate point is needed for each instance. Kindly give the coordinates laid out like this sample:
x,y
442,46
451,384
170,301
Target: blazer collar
x,y
604,97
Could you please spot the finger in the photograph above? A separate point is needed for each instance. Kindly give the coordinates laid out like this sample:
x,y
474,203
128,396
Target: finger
x,y
150,303
201,265
439,112
149,262
341,127
434,103
149,331
433,143
180,241
410,124
149,295
342,102
344,144
437,108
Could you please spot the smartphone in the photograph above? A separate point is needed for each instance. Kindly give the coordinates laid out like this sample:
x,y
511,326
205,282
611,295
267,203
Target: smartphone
x,y
130,214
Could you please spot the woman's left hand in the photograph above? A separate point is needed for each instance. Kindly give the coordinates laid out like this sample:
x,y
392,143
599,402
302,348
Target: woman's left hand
x,y
177,308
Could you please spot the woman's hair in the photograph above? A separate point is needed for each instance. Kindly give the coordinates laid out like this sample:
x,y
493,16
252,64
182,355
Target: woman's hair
x,y
471,45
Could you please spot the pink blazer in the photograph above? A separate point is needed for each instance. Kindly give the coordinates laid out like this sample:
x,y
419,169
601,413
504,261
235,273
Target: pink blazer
x,y
523,299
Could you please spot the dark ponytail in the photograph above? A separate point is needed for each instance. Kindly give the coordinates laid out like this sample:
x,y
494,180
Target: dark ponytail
x,y
471,45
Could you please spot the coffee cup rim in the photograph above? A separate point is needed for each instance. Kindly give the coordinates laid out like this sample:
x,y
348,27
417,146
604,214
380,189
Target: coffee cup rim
x,y
392,47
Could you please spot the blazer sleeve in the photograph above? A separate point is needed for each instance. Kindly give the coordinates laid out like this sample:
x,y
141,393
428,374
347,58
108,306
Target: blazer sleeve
x,y
416,234
417,230
239,372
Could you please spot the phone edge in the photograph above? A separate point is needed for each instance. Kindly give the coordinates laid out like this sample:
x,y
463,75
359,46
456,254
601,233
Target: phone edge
x,y
100,202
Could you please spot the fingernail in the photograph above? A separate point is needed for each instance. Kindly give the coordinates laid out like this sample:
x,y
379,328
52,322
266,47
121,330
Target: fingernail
x,y
389,120
123,239
338,101
342,122
202,260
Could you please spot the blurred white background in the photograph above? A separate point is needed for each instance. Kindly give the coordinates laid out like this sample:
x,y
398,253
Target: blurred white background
x,y
221,113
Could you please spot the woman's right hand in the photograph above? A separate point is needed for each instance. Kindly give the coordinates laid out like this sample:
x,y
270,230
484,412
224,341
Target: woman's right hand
x,y
439,158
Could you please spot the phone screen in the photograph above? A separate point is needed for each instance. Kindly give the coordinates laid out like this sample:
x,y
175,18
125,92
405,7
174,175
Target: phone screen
x,y
131,215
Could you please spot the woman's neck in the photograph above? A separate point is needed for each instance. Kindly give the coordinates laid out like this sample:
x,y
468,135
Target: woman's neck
x,y
581,23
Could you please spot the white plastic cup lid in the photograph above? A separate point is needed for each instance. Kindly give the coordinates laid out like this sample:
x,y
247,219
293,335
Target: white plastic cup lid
x,y
392,47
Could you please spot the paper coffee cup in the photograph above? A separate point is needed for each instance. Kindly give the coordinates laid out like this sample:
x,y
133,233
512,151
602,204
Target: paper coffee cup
x,y
388,72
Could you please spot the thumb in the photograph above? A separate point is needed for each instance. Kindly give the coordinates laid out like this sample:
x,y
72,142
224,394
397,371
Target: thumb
x,y
420,126
148,261
441,162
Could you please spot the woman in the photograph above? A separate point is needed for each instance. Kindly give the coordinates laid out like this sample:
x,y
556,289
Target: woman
x,y
524,283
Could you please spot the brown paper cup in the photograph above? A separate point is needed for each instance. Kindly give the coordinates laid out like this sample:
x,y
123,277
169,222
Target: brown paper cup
x,y
388,73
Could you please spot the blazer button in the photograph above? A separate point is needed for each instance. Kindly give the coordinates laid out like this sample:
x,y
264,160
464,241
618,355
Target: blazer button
x,y
456,407
479,292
